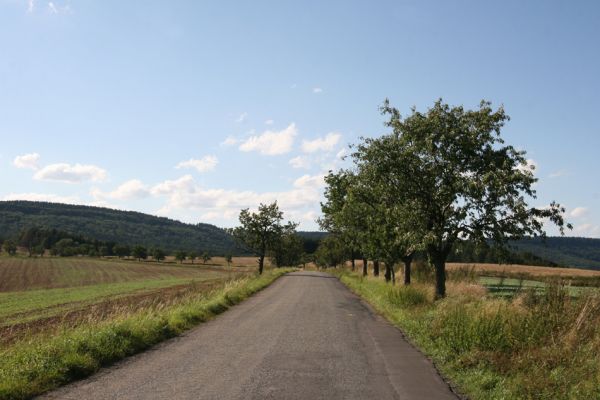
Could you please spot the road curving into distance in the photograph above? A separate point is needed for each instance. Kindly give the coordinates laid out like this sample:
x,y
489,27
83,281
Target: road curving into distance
x,y
304,337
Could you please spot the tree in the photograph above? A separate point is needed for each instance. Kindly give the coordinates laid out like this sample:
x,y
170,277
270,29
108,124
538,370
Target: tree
x,y
192,255
343,217
288,249
180,256
330,252
158,254
205,257
139,252
121,251
10,247
30,238
104,251
259,231
454,170
228,259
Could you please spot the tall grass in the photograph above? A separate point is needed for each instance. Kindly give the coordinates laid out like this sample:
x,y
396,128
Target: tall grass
x,y
538,345
39,364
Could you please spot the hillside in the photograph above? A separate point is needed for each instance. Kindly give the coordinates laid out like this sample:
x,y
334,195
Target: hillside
x,y
124,227
568,251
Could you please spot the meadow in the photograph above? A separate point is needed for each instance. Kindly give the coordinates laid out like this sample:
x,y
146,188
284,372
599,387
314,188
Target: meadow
x,y
541,342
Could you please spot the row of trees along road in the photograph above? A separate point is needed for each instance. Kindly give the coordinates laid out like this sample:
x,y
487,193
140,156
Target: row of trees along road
x,y
264,233
439,177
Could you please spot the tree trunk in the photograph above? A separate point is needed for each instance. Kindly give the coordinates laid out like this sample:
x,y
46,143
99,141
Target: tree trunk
x,y
376,268
440,277
388,272
261,262
393,274
365,267
407,263
353,265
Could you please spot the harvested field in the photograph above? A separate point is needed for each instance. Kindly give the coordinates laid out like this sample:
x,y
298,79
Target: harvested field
x,y
19,274
38,294
527,269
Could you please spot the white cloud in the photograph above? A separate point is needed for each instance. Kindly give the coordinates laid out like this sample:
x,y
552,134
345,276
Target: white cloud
x,y
578,212
229,141
317,90
587,230
243,116
310,181
29,161
271,142
30,6
52,8
132,189
342,153
529,166
185,195
206,163
300,162
269,122
52,198
327,143
64,172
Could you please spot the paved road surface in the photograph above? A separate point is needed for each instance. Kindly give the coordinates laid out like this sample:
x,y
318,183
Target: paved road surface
x,y
304,337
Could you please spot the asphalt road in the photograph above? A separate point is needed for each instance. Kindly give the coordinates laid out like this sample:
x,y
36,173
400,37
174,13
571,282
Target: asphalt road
x,y
305,337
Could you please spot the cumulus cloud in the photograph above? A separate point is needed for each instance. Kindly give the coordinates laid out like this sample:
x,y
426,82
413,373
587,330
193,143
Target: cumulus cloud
x,y
587,230
271,142
317,90
578,212
204,164
29,161
300,162
327,143
63,172
229,141
185,194
530,166
130,190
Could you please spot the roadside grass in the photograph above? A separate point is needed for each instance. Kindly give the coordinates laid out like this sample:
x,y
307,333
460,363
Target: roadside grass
x,y
541,344
39,364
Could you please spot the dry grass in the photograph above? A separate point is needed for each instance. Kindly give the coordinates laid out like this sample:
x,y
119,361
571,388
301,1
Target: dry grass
x,y
528,269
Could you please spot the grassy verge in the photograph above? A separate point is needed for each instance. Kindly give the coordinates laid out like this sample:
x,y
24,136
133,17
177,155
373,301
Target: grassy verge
x,y
534,346
40,364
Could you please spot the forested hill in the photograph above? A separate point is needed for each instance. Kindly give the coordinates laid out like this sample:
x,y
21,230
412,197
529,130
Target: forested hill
x,y
123,227
568,251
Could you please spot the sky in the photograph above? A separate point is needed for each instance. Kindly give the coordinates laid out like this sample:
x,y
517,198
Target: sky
x,y
193,109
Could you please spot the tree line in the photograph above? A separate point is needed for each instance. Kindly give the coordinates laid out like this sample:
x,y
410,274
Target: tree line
x,y
38,241
440,178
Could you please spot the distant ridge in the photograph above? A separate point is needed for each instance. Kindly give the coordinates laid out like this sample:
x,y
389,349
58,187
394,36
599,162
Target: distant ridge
x,y
568,251
125,227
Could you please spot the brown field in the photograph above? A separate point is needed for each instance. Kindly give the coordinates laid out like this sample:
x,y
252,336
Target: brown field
x,y
18,274
528,269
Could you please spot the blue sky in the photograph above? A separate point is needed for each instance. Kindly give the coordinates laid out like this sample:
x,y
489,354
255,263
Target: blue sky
x,y
194,109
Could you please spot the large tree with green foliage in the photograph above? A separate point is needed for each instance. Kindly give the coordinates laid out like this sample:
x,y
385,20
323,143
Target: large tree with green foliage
x,y
452,168
260,231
